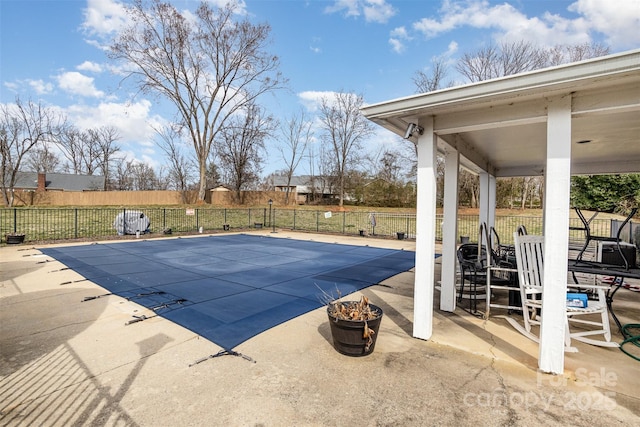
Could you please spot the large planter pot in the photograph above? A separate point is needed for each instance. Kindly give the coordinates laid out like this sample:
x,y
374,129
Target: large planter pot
x,y
348,335
14,239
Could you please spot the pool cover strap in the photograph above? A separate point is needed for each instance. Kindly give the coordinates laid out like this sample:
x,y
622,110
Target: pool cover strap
x,y
223,353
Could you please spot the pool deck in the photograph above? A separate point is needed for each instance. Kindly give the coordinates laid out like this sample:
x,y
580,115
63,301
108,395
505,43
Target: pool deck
x,y
63,362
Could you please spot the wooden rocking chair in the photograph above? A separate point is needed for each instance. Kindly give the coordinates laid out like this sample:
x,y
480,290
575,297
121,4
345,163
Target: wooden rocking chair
x,y
529,258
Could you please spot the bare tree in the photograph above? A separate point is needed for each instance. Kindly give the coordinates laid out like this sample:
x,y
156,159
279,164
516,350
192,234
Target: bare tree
x,y
344,130
562,54
71,143
206,64
434,80
497,61
143,177
122,173
296,133
42,160
22,127
130,175
240,145
181,169
103,150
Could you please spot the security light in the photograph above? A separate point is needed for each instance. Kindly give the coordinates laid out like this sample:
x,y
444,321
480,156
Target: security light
x,y
412,129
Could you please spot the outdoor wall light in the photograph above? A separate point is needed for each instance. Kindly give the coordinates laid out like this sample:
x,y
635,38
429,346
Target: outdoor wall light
x,y
412,129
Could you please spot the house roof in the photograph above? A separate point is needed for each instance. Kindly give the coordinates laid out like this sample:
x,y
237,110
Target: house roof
x,y
500,125
60,181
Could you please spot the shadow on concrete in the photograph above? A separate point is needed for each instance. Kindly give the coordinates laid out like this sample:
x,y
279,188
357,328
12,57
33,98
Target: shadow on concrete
x,y
44,381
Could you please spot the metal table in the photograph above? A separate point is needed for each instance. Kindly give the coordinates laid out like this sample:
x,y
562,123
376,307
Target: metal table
x,y
602,269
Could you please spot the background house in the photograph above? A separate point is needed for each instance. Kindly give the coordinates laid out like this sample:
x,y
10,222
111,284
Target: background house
x,y
306,188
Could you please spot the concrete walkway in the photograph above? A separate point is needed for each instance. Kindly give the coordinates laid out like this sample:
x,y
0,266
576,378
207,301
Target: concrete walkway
x,y
66,362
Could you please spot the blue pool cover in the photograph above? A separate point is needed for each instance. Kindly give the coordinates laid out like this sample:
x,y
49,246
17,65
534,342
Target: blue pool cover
x,y
229,288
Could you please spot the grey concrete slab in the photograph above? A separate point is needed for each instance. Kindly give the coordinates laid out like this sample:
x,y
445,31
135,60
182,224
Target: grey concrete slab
x,y
65,363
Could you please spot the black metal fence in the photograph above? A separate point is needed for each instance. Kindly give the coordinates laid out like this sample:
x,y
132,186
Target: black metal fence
x,y
46,224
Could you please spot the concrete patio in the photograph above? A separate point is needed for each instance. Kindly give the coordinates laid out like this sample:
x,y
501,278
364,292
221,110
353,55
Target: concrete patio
x,y
64,362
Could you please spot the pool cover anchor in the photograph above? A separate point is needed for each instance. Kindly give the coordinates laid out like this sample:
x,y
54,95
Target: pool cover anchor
x,y
223,353
127,298
167,304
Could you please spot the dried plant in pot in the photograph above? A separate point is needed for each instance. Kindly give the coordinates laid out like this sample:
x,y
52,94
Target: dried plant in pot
x,y
354,326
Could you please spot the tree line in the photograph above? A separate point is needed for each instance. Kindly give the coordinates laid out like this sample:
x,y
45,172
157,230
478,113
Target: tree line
x,y
214,67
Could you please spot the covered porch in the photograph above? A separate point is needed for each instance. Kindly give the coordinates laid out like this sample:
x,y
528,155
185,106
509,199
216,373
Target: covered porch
x,y
579,118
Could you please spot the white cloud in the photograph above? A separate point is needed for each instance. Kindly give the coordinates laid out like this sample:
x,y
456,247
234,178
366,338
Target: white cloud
x,y
90,66
397,37
241,7
78,84
400,32
133,121
618,21
104,17
40,87
349,6
373,10
377,11
396,45
12,86
451,49
313,99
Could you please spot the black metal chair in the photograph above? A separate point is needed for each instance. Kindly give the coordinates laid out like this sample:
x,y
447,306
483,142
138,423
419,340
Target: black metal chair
x,y
472,270
474,267
503,274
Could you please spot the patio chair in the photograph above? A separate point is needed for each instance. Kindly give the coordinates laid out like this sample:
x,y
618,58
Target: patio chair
x,y
530,262
502,273
476,261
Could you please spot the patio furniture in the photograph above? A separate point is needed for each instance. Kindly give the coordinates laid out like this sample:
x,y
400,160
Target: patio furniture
x,y
591,238
479,264
529,251
617,273
503,268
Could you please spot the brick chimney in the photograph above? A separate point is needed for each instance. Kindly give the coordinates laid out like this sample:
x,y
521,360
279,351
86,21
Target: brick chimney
x,y
42,182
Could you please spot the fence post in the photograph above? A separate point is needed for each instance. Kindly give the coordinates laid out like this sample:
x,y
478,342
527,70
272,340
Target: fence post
x,y
317,221
344,222
295,211
15,220
75,226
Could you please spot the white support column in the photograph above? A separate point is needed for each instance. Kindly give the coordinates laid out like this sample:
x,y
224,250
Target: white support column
x,y
491,211
556,235
487,199
425,232
449,230
484,197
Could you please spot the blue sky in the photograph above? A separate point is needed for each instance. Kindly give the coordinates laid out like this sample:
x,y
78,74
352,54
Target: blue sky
x,y
50,51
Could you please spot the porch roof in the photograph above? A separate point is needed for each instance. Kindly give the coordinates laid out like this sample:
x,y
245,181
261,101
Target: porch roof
x,y
499,126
